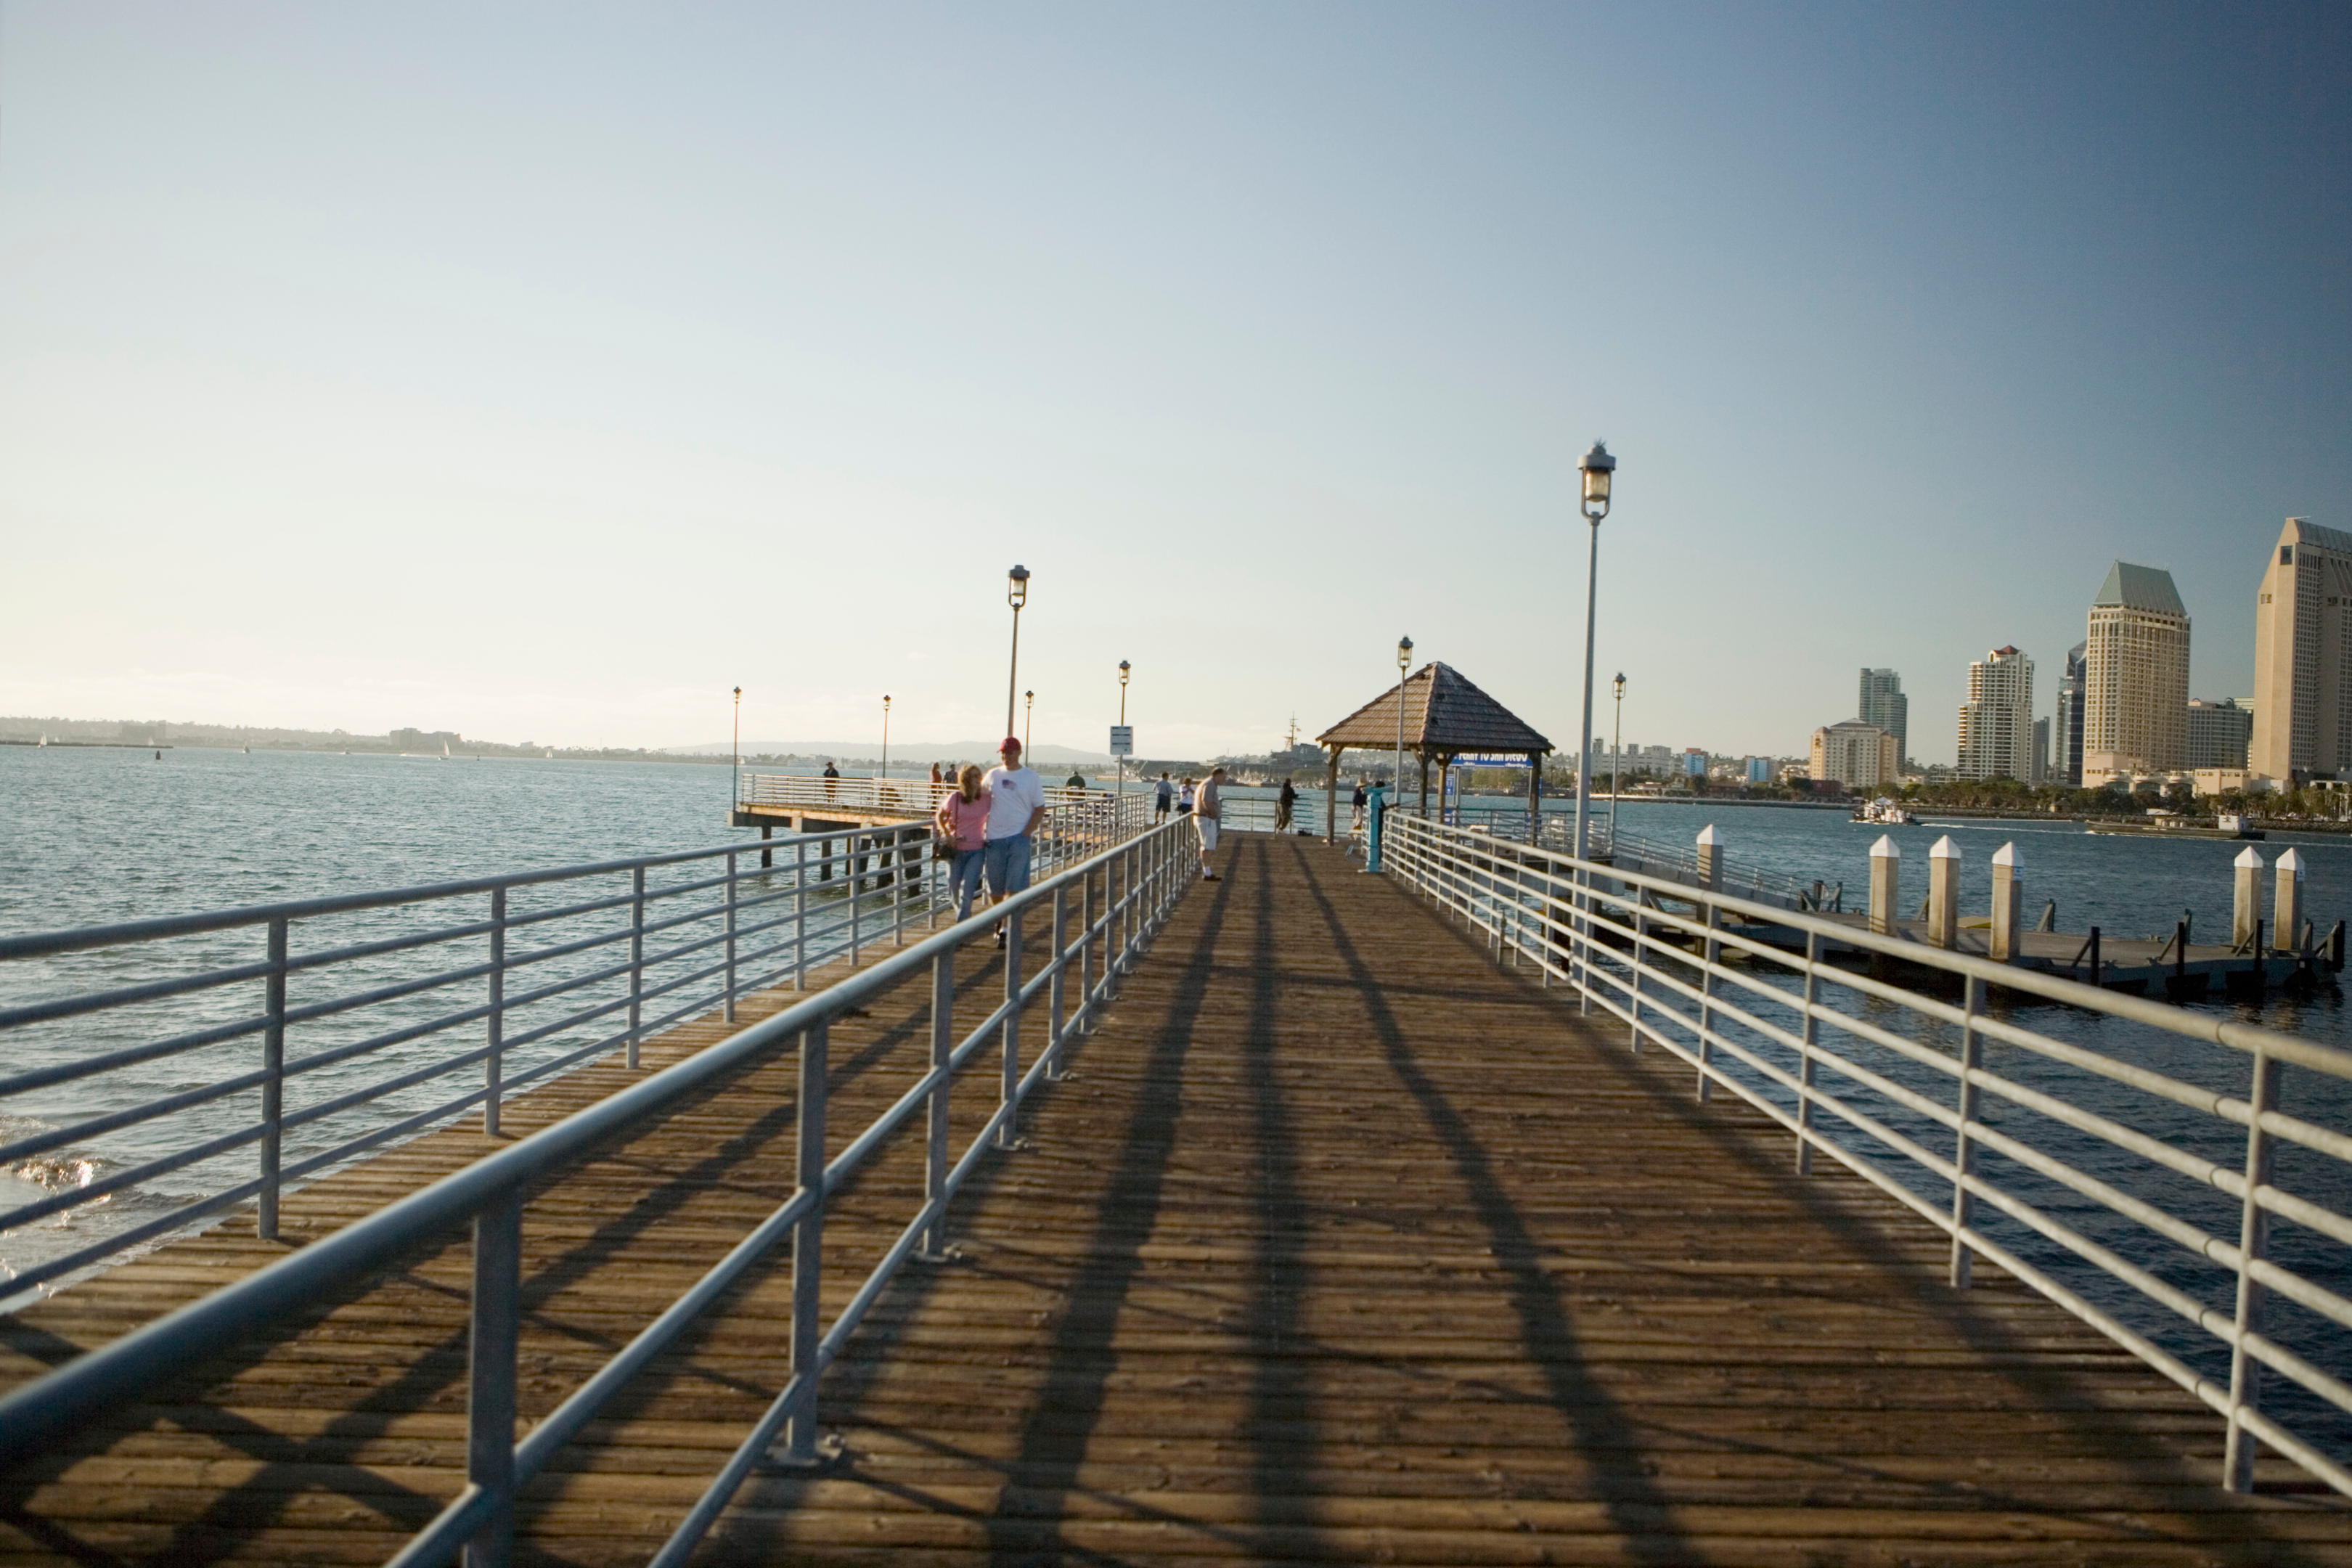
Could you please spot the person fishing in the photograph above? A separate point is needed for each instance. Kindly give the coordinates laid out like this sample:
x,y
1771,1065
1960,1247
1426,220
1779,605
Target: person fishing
x,y
1283,804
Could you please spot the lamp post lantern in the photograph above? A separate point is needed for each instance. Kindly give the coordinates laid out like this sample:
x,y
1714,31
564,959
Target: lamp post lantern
x,y
1016,593
1616,762
886,745
1405,662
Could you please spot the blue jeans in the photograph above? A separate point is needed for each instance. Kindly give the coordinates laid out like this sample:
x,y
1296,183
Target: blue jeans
x,y
963,879
1008,864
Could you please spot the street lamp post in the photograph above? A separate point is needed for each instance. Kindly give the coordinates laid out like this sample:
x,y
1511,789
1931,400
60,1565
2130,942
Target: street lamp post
x,y
1596,468
1617,762
1016,593
886,749
1118,811
1028,716
738,804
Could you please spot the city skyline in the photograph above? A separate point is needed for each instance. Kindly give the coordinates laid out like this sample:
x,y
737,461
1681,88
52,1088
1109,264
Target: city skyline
x,y
364,368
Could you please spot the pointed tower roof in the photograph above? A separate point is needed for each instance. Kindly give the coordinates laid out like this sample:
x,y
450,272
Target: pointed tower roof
x,y
1444,712
2140,588
2303,531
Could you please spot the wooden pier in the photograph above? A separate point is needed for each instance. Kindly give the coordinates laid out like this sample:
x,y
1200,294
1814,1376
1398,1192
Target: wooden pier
x,y
1340,1243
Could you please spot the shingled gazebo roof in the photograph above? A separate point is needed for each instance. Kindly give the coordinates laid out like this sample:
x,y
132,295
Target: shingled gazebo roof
x,y
1444,714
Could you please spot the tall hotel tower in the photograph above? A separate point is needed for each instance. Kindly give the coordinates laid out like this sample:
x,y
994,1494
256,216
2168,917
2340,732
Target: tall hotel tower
x,y
2303,641
2134,677
1996,721
1883,703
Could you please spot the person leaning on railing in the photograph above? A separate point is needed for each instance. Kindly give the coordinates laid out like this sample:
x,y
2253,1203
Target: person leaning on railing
x,y
962,821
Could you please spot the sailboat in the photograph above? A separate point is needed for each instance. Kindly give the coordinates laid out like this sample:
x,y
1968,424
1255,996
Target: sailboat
x,y
445,751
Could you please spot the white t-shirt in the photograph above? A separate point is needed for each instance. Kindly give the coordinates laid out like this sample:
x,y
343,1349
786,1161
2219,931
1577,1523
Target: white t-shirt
x,y
1014,794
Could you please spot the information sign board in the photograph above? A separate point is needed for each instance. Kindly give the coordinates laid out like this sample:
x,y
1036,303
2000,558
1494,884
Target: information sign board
x,y
1519,761
1122,740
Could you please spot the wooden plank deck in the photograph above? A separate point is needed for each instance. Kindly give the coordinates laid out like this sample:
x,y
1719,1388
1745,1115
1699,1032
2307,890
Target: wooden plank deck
x,y
1340,1244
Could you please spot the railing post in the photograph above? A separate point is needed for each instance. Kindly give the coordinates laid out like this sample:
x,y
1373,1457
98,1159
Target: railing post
x,y
1964,1148
1641,944
2253,1246
731,936
899,885
1011,1085
854,933
490,1374
1060,959
808,1246
1111,925
273,1089
935,1145
1087,951
637,959
1812,1033
800,919
494,1065
1711,952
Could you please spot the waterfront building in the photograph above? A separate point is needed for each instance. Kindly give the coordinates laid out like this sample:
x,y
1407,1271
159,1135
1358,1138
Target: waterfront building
x,y
2303,643
1884,704
1760,769
2040,753
2220,733
1855,755
1996,721
2134,677
2066,736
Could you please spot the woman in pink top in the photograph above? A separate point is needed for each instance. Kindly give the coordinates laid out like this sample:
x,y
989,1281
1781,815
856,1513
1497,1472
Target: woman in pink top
x,y
962,821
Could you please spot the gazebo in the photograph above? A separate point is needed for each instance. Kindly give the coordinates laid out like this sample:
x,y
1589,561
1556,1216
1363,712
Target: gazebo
x,y
1445,716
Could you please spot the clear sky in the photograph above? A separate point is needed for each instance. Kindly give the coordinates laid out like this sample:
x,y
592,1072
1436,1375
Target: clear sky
x,y
543,371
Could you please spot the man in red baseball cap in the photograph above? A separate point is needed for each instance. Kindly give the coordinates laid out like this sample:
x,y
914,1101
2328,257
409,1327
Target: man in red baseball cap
x,y
1016,805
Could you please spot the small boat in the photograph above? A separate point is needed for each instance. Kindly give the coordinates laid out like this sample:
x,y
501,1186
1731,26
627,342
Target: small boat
x,y
1885,813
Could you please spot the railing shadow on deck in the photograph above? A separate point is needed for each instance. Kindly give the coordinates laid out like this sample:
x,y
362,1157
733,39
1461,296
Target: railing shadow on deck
x,y
1615,953
1736,1136
1139,879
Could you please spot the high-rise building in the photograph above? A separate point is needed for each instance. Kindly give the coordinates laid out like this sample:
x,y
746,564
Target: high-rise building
x,y
1996,721
1858,755
2066,736
2040,753
1884,705
2134,677
2303,644
2218,733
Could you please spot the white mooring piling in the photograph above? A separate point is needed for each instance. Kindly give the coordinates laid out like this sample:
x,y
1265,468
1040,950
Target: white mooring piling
x,y
2286,906
1944,893
1885,884
2007,896
1710,865
2246,906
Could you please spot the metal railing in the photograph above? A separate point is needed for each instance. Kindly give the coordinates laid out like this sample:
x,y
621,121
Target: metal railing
x,y
910,797
1096,915
337,1034
2165,1196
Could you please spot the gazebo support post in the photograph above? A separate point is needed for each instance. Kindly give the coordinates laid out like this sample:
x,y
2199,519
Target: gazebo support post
x,y
1424,754
1535,796
1332,796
